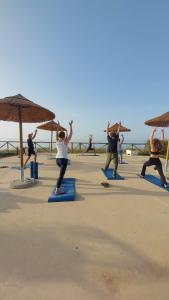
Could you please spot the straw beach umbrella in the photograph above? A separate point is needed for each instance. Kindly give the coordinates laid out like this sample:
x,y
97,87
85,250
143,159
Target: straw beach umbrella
x,y
20,109
51,126
116,126
161,121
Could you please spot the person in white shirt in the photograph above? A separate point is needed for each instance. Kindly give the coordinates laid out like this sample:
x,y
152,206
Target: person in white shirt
x,y
62,141
120,150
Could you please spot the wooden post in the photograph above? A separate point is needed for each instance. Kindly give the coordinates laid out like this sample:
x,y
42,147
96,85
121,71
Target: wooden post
x,y
51,141
80,147
21,142
7,144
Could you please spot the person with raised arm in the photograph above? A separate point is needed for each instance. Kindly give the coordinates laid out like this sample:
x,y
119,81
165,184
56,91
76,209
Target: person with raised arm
x,y
31,149
112,149
62,141
120,150
90,144
156,146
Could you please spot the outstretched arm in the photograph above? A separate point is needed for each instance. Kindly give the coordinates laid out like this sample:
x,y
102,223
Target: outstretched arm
x,y
162,136
34,134
152,135
68,138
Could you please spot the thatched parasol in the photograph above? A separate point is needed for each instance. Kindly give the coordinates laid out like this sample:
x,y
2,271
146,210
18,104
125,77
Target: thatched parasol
x,y
51,126
115,128
19,109
161,121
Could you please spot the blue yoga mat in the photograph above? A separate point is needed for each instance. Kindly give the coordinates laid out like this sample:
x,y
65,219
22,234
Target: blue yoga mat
x,y
109,174
68,186
155,180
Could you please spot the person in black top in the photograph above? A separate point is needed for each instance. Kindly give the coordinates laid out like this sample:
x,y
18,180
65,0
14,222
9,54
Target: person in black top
x,y
112,149
90,145
156,146
31,150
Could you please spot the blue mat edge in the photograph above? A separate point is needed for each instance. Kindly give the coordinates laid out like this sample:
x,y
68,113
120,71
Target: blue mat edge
x,y
149,177
111,178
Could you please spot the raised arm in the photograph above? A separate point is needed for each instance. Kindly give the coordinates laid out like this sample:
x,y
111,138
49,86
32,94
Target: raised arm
x,y
122,139
118,130
68,138
152,135
162,136
108,126
57,131
34,134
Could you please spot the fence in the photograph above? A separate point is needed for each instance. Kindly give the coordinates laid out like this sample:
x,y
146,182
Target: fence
x,y
74,147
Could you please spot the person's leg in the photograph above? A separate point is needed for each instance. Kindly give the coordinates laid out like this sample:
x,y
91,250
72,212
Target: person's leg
x,y
28,158
63,166
148,163
121,156
115,163
108,160
159,168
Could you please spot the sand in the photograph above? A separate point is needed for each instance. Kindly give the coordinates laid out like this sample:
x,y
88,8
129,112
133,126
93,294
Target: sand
x,y
108,244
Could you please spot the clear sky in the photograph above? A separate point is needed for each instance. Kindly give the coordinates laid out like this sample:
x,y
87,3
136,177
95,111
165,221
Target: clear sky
x,y
87,60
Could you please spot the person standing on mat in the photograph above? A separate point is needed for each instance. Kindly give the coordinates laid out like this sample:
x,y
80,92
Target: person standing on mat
x,y
112,150
156,147
120,151
62,141
31,149
90,148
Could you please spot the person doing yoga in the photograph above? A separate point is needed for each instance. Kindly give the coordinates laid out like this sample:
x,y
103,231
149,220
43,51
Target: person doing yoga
x,y
120,150
31,149
156,147
112,150
90,144
62,141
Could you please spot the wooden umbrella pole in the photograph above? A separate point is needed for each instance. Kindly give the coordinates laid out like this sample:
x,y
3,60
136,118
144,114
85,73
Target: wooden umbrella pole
x,y
51,141
21,143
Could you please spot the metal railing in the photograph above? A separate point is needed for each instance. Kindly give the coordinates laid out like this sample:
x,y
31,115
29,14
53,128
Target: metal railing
x,y
44,146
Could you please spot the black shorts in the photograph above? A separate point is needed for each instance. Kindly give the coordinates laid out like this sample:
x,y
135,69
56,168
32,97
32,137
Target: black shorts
x,y
31,152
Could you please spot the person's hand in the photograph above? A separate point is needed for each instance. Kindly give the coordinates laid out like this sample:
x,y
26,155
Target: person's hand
x,y
71,123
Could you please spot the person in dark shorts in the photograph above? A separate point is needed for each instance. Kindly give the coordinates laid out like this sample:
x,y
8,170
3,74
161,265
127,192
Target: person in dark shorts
x,y
62,141
112,149
31,149
90,145
156,147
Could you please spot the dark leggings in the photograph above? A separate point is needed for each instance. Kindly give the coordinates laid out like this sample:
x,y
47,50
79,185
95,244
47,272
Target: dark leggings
x,y
154,162
62,164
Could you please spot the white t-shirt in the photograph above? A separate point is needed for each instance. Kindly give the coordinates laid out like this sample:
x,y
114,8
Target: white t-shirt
x,y
61,149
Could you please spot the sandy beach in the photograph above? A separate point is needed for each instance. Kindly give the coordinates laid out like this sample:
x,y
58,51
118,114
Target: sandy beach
x,y
108,244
